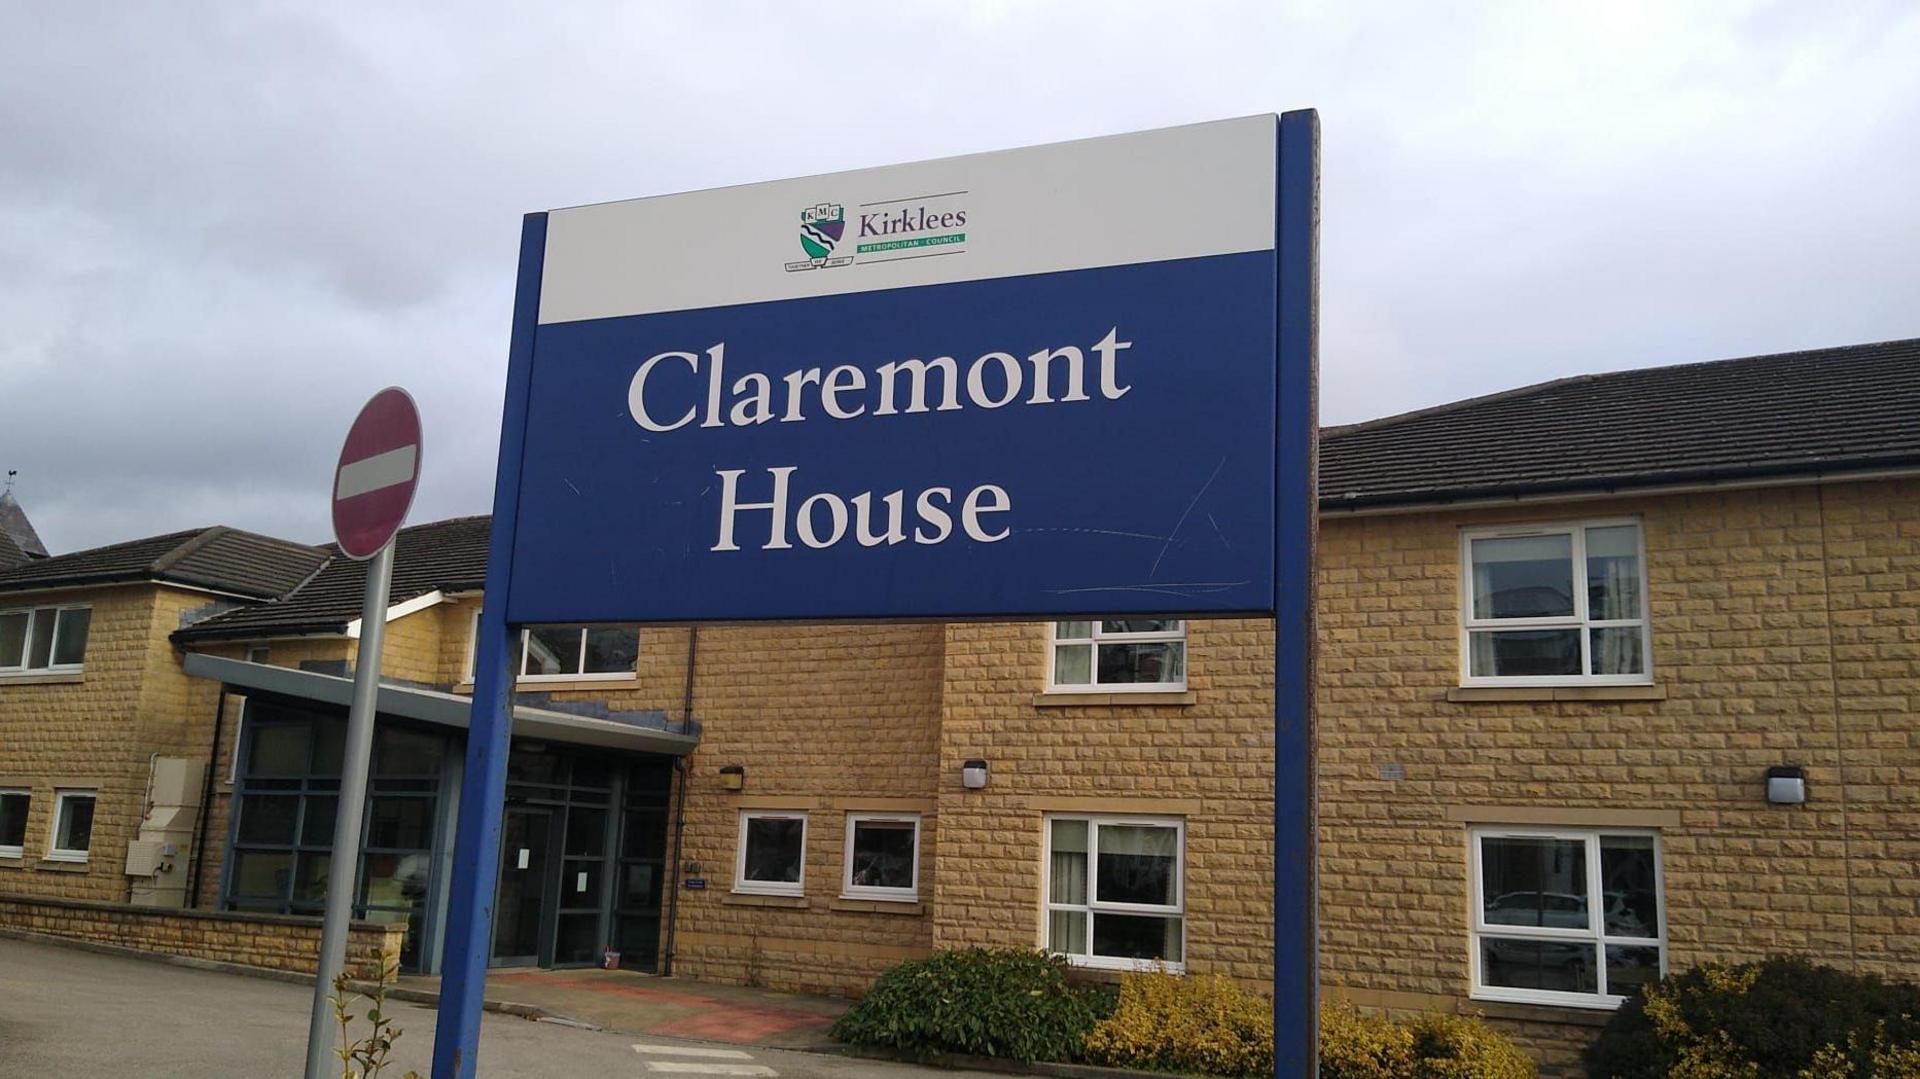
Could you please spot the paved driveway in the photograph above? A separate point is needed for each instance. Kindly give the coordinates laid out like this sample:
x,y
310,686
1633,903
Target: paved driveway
x,y
76,1014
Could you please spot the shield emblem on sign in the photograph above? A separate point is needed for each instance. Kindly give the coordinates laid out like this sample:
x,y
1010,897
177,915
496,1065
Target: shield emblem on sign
x,y
817,238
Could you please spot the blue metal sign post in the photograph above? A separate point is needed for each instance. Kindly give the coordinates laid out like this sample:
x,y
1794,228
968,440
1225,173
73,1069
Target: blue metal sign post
x,y
1067,380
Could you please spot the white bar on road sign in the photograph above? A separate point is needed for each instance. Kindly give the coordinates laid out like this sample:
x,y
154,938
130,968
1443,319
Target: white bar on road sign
x,y
382,470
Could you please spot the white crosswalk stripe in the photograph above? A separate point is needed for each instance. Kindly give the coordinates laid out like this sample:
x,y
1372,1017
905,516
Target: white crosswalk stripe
x,y
707,1061
692,1051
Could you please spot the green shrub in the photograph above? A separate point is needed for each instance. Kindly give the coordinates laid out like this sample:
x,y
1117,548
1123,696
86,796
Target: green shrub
x,y
1008,1003
1199,1023
1778,1019
1355,1046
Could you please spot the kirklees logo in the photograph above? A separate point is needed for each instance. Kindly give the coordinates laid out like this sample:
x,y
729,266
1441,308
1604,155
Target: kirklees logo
x,y
886,231
820,230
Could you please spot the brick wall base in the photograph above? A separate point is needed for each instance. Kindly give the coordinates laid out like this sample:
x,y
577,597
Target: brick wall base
x,y
268,941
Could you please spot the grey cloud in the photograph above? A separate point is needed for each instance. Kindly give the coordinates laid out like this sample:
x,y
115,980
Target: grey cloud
x,y
223,225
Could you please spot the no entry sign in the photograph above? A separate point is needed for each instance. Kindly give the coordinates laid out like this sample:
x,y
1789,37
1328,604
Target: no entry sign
x,y
379,468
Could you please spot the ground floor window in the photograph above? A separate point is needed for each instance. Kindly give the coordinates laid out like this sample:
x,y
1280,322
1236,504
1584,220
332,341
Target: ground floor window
x,y
1569,917
72,826
13,822
883,856
286,802
1115,891
772,853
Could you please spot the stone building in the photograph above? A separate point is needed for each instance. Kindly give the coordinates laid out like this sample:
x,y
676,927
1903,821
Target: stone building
x,y
1616,675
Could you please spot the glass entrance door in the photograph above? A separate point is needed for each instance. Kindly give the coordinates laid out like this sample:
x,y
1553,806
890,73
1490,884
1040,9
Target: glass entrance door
x,y
519,915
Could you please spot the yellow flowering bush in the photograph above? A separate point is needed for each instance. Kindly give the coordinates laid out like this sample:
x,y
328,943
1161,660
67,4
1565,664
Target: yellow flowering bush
x,y
1208,1025
1197,1023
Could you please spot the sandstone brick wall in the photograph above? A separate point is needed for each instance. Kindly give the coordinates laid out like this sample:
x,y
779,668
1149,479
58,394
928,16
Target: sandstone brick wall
x,y
80,731
1205,756
1786,630
254,940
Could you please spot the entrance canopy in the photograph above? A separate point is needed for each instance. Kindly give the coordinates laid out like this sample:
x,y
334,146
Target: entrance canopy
x,y
643,732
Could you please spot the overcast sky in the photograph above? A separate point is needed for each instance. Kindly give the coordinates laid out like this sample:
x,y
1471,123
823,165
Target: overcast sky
x,y
222,226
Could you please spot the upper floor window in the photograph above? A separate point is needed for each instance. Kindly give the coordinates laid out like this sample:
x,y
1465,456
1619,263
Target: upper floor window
x,y
1119,655
564,653
1566,916
43,638
1555,605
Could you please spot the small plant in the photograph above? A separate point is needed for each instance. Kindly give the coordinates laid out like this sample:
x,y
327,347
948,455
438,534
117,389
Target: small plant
x,y
1356,1046
365,1058
1008,1002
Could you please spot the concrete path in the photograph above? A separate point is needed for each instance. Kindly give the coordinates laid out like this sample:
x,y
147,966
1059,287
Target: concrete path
x,y
78,1015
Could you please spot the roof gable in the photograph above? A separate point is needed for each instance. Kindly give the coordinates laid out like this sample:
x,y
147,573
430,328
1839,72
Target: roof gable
x,y
16,532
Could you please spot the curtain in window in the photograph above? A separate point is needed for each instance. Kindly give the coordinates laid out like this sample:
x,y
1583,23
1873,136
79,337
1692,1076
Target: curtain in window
x,y
1067,929
1613,566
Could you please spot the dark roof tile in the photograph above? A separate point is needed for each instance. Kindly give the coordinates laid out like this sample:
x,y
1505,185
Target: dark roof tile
x,y
218,558
441,556
1829,409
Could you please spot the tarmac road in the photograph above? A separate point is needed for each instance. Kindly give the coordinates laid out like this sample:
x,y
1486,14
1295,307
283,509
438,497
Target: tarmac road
x,y
74,1014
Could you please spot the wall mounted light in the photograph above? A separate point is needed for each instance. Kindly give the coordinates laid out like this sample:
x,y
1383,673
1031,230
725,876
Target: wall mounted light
x,y
973,775
1787,785
733,777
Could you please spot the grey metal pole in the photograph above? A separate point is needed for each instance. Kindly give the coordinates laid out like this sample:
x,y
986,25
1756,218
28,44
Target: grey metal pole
x,y
342,870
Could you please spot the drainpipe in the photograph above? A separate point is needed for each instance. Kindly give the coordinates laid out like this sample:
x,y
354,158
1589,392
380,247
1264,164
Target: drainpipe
x,y
206,801
681,773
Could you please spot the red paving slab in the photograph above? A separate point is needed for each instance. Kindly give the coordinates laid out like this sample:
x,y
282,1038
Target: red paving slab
x,y
673,1007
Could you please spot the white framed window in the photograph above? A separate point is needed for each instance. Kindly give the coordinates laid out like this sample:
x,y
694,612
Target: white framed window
x,y
882,857
569,653
1115,889
1570,917
14,804
43,639
772,854
1554,605
1127,655
72,826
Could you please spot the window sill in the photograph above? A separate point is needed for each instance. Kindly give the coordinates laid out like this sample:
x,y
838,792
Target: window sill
x,y
877,906
1470,694
1070,699
43,678
63,865
1597,1014
755,899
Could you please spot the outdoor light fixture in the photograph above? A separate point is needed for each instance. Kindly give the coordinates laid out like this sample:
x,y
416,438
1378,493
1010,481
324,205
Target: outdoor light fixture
x,y
733,777
973,775
1787,785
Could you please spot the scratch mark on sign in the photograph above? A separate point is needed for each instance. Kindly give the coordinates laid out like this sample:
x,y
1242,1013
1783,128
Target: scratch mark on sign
x,y
1216,531
570,485
1177,525
1100,532
1195,588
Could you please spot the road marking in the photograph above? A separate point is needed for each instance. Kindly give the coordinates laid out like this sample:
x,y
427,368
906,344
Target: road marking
x,y
692,1067
692,1051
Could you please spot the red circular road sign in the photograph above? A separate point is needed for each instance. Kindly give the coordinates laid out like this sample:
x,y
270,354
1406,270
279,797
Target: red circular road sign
x,y
379,468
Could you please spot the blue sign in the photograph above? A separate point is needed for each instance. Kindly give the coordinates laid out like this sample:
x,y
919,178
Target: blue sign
x,y
958,389
1067,380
